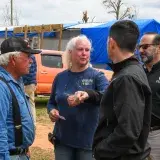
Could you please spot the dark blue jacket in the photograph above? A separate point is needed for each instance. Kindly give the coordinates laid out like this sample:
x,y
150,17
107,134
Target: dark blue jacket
x,y
81,121
31,77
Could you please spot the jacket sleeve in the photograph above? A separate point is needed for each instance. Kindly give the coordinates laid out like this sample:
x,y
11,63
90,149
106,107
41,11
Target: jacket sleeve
x,y
4,109
101,84
129,105
94,96
52,104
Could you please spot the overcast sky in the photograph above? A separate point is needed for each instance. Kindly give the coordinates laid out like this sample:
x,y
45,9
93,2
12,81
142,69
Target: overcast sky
x,y
65,11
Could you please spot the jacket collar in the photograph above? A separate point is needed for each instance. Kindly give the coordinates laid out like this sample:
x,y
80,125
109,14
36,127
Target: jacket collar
x,y
120,65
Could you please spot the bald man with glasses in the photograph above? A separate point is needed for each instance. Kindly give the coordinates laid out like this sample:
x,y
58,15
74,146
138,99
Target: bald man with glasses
x,y
149,49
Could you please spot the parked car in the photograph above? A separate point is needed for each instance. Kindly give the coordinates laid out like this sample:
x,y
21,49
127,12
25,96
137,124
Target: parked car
x,y
49,64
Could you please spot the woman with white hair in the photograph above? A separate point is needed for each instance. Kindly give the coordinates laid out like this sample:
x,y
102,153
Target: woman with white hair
x,y
75,126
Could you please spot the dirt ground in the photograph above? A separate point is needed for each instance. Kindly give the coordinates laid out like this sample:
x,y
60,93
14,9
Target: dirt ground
x,y
42,149
41,139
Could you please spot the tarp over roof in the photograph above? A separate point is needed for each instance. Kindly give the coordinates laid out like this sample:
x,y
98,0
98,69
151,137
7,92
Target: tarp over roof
x,y
68,26
99,34
46,34
84,25
10,33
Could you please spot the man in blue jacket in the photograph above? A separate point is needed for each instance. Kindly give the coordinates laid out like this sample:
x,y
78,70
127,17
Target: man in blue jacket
x,y
30,83
16,121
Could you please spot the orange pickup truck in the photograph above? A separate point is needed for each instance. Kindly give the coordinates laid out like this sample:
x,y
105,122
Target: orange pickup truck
x,y
49,64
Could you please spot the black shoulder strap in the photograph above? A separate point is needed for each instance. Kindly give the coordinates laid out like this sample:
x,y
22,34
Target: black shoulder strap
x,y
16,117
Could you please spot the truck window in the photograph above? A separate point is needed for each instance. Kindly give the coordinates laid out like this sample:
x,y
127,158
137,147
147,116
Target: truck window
x,y
51,61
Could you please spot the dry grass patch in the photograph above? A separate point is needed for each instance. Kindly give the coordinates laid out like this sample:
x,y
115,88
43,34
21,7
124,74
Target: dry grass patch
x,y
40,154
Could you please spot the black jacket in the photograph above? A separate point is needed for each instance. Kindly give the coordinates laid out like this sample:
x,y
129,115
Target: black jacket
x,y
125,114
154,82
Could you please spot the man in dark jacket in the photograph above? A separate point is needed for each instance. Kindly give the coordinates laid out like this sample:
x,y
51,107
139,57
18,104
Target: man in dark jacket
x,y
125,110
149,49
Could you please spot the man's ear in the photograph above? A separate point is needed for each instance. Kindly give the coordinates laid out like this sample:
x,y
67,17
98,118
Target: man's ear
x,y
12,60
158,49
112,43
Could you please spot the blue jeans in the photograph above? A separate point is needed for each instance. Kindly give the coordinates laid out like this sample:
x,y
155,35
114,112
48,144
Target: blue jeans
x,y
63,152
19,157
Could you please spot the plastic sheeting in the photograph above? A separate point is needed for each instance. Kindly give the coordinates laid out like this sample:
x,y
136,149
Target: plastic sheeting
x,y
98,35
46,34
10,34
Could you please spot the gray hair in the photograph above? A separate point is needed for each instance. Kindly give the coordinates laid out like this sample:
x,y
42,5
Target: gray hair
x,y
4,58
70,46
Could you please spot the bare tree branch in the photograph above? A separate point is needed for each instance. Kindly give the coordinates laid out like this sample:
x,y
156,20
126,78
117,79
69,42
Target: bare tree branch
x,y
16,18
125,14
113,5
7,17
120,9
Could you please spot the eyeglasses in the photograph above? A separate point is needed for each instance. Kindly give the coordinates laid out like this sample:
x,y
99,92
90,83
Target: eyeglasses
x,y
144,46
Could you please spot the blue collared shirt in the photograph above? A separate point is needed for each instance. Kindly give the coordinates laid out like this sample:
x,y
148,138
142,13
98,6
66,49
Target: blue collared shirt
x,y
7,136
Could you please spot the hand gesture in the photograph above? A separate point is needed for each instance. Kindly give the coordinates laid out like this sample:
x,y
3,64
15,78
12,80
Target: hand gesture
x,y
81,96
72,100
54,115
77,98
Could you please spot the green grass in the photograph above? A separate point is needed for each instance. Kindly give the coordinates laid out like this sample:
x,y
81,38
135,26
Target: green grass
x,y
42,100
41,110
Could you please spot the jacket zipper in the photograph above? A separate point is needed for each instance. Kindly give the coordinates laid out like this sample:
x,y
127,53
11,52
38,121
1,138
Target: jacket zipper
x,y
107,122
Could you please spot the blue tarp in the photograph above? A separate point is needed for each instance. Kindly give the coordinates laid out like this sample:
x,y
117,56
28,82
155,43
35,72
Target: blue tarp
x,y
46,34
10,34
98,35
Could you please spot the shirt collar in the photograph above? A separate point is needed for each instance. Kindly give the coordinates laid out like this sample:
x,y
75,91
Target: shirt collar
x,y
8,76
156,66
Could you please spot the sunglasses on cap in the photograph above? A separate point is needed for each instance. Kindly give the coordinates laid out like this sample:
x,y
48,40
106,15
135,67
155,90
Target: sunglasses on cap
x,y
145,46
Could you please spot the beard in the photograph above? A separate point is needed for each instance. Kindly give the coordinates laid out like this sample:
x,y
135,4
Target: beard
x,y
147,59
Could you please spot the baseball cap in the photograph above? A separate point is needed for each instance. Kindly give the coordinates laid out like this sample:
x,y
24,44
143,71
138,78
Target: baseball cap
x,y
17,44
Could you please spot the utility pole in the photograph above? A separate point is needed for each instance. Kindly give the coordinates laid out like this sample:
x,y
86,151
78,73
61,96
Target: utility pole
x,y
11,12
